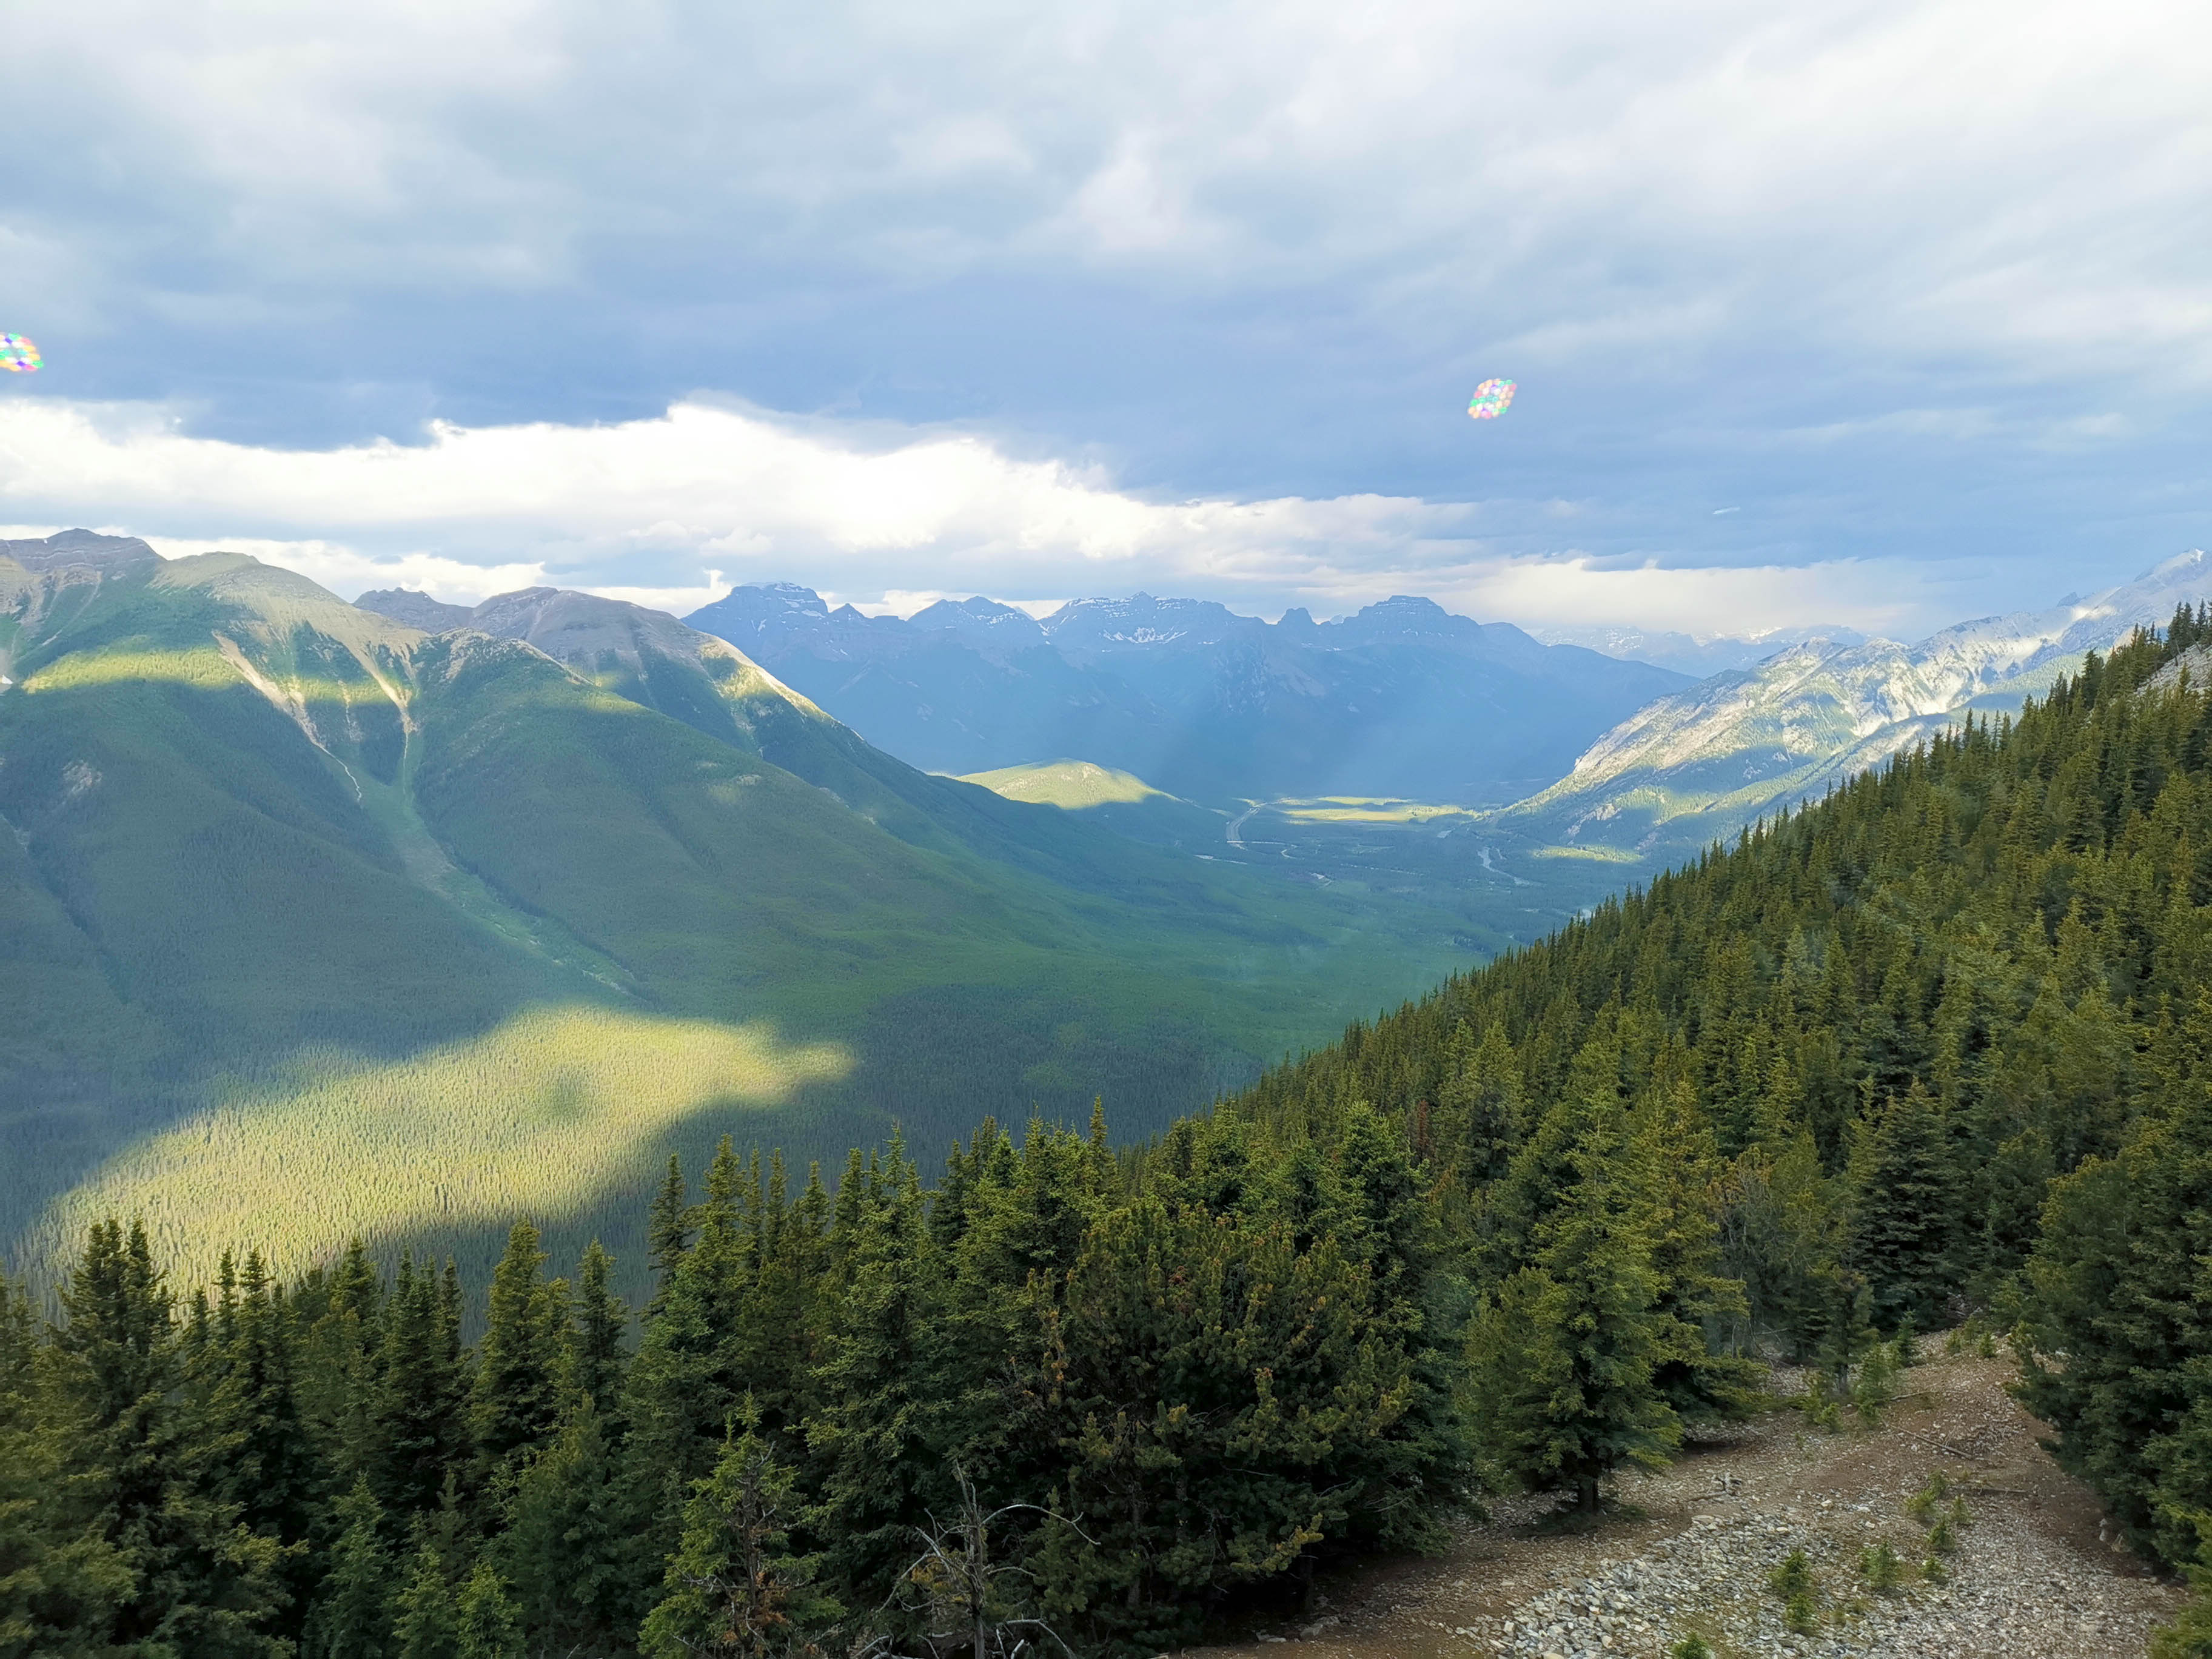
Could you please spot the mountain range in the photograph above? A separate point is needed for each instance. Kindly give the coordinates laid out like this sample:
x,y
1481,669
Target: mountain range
x,y
387,918
370,909
1699,763
1402,699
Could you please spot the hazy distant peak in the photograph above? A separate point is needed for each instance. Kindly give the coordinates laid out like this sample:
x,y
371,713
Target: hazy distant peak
x,y
759,610
1142,621
1403,616
1708,759
979,622
1701,655
405,604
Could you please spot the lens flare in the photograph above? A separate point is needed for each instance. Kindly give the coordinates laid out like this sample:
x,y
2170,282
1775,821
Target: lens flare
x,y
1490,399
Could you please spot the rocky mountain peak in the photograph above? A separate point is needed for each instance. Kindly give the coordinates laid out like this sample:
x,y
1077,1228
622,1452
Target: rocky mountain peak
x,y
405,604
81,550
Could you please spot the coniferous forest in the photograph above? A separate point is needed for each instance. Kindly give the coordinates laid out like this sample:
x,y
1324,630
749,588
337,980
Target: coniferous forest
x,y
1939,1046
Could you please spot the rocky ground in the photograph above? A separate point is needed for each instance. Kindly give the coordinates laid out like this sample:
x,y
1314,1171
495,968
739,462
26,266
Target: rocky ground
x,y
2032,1574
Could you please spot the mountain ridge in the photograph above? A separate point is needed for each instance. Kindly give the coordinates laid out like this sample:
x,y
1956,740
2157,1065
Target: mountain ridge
x,y
1402,698
1701,762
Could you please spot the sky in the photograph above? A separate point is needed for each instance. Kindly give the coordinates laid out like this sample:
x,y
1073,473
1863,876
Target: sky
x,y
1883,313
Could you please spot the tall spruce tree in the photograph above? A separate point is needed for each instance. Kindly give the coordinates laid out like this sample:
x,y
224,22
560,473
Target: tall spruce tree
x,y
147,1472
1565,1365
489,1626
352,1617
517,1391
595,1354
566,1551
426,1616
416,1419
735,1584
60,1581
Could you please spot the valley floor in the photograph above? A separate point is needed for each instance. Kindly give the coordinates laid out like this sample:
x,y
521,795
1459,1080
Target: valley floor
x,y
2032,1577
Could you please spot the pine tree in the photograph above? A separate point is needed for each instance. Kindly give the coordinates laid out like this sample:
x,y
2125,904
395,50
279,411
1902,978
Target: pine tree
x,y
417,1418
566,1551
877,1381
1676,1175
596,1358
271,1472
517,1398
735,1585
667,1231
147,1471
1565,1367
490,1624
1905,1203
60,1582
426,1618
352,1615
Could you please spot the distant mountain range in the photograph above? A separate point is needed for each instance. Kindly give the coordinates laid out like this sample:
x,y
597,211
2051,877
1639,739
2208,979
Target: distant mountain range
x,y
1701,762
1687,653
1403,699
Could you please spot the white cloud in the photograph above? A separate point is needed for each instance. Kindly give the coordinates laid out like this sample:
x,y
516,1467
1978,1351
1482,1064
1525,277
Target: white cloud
x,y
670,512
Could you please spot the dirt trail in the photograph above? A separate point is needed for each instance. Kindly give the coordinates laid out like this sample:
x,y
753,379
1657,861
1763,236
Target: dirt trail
x,y
2031,1576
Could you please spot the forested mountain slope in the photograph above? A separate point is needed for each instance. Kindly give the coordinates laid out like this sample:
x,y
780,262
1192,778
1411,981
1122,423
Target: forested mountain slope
x,y
290,884
1701,762
1940,1043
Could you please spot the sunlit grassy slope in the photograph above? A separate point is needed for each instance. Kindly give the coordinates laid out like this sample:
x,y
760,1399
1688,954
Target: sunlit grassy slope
x,y
553,1113
272,864
1071,785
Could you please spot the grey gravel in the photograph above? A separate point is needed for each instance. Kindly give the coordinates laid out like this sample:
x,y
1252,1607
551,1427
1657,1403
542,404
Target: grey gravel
x,y
2035,1576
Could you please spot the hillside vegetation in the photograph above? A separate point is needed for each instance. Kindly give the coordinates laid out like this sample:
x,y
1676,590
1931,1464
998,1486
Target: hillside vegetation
x,y
566,1112
263,845
1938,1047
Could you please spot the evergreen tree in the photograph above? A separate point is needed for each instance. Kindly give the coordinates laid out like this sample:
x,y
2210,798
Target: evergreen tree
x,y
426,1618
200,1583
1906,1205
736,1585
417,1405
271,1472
1565,1365
60,1582
871,1437
517,1397
667,1229
566,1551
595,1358
352,1614
1676,1173
490,1625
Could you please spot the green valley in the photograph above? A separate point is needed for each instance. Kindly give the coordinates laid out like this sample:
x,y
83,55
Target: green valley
x,y
275,860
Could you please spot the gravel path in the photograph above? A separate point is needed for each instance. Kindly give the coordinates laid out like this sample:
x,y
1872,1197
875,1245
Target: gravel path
x,y
2032,1575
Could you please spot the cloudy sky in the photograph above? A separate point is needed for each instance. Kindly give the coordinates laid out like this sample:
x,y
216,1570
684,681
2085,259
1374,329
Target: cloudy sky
x,y
1861,311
